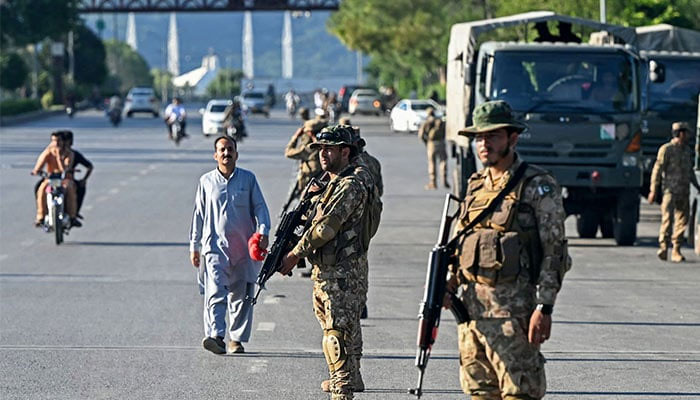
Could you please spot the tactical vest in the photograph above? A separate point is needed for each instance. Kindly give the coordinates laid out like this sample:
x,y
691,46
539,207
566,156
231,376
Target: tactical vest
x,y
504,243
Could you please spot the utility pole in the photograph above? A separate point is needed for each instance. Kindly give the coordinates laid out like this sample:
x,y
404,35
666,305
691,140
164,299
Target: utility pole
x,y
603,18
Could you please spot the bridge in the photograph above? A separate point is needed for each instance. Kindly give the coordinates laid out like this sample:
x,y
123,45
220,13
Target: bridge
x,y
118,6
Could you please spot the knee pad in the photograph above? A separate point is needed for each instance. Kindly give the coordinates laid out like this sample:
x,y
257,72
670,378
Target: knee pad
x,y
334,349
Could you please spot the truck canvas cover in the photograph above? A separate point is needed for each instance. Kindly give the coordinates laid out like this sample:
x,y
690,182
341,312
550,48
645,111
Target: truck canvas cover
x,y
668,38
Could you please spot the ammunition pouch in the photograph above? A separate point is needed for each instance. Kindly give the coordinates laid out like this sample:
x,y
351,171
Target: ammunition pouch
x,y
491,257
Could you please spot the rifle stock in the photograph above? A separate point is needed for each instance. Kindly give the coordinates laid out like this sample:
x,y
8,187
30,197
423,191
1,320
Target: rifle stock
x,y
435,288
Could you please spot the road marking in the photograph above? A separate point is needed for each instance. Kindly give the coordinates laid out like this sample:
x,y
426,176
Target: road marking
x,y
266,327
114,191
257,367
101,199
88,207
271,300
27,243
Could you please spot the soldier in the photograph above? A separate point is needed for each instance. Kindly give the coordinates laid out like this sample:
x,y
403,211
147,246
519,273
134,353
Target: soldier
x,y
332,245
432,133
509,293
671,178
298,149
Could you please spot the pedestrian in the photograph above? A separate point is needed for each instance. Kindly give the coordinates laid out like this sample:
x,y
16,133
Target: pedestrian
x,y
432,133
509,291
671,178
229,210
332,245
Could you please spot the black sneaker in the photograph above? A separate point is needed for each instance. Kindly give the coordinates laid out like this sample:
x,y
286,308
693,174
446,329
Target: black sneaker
x,y
75,223
215,345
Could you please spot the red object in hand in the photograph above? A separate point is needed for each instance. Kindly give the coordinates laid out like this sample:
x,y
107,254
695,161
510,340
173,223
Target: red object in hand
x,y
256,253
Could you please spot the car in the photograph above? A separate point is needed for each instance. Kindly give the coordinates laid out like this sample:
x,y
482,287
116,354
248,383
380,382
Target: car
x,y
408,114
141,99
213,116
254,102
365,101
344,94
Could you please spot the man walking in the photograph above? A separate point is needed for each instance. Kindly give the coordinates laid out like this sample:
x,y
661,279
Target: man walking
x,y
671,178
432,133
229,209
332,245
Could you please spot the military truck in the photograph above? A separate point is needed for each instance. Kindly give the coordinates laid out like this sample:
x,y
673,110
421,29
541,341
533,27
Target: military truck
x,y
670,85
581,103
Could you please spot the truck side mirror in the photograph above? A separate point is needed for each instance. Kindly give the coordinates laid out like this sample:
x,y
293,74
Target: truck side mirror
x,y
657,72
469,72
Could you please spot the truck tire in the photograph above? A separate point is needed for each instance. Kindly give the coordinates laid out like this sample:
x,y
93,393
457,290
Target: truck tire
x,y
627,214
587,224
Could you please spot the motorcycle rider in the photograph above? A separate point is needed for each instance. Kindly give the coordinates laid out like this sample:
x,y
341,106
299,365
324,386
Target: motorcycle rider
x,y
233,118
175,111
78,159
114,110
292,100
57,160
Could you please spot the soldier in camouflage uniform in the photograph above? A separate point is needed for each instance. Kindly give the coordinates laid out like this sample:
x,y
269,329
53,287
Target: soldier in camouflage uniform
x,y
432,133
331,244
298,149
671,178
510,266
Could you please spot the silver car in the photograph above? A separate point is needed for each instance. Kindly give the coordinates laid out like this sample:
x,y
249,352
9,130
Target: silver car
x,y
365,101
141,99
254,102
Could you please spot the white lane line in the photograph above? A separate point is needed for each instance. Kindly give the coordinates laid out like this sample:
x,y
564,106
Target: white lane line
x,y
266,327
88,207
257,367
27,243
271,300
114,191
101,199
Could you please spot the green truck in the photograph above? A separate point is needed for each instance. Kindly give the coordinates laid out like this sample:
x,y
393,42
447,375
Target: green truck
x,y
580,101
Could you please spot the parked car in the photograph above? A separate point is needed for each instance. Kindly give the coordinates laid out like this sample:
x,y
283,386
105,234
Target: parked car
x,y
344,95
365,101
255,102
408,115
213,117
141,99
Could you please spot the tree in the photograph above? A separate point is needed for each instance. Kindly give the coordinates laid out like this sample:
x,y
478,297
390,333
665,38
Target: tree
x,y
127,67
13,71
30,21
227,83
90,57
162,82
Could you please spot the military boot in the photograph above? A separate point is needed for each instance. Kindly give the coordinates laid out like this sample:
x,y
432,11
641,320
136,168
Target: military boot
x,y
662,253
676,255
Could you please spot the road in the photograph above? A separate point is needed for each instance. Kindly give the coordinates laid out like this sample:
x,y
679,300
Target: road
x,y
114,313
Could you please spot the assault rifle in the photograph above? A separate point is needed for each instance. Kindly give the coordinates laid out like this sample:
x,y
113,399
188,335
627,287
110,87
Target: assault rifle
x,y
288,233
436,279
435,287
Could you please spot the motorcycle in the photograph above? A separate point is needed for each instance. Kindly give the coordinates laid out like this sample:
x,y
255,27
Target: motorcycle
x,y
56,219
176,131
237,130
115,116
70,111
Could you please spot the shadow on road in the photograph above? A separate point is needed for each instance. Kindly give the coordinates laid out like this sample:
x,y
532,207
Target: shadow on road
x,y
129,244
621,323
670,394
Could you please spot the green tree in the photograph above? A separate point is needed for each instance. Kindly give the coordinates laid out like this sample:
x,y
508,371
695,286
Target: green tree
x,y
90,57
127,67
13,71
30,21
227,83
162,82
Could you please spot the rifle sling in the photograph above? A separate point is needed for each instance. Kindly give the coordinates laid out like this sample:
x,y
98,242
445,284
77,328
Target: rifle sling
x,y
519,173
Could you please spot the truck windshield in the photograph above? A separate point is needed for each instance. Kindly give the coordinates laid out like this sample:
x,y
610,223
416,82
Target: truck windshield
x,y
564,81
679,89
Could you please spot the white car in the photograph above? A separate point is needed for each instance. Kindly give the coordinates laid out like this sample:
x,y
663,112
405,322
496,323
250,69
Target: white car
x,y
408,115
213,117
141,99
365,101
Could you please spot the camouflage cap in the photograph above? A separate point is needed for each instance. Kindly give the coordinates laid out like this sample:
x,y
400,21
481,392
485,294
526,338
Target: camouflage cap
x,y
359,141
490,116
680,126
335,136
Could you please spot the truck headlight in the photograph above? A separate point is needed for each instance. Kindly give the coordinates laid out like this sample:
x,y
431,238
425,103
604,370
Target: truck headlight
x,y
630,160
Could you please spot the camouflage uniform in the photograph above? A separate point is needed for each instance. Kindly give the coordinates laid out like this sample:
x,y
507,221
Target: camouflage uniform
x,y
433,135
331,244
672,175
298,149
501,287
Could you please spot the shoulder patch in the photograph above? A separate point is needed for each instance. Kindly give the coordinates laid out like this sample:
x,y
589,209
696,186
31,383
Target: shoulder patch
x,y
544,189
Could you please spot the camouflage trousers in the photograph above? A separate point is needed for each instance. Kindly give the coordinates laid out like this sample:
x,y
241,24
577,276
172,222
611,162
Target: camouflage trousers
x,y
497,361
674,210
337,305
437,154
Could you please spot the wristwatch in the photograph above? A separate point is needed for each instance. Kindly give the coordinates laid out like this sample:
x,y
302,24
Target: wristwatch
x,y
545,309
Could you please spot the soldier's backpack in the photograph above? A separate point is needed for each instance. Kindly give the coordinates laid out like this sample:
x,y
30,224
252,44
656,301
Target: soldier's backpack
x,y
437,131
371,217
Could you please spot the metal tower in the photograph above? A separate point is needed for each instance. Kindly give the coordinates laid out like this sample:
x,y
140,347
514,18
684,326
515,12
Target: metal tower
x,y
173,47
248,67
131,32
287,54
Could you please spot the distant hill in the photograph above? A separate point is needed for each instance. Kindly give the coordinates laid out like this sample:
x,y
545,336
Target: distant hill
x,y
317,54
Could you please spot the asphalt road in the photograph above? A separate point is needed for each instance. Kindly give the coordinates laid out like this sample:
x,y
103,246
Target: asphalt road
x,y
114,313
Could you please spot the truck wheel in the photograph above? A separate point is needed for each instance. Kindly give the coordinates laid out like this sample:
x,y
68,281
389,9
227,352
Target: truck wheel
x,y
626,219
587,224
607,226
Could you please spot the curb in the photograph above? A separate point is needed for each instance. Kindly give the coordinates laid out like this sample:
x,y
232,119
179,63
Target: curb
x,y
30,116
